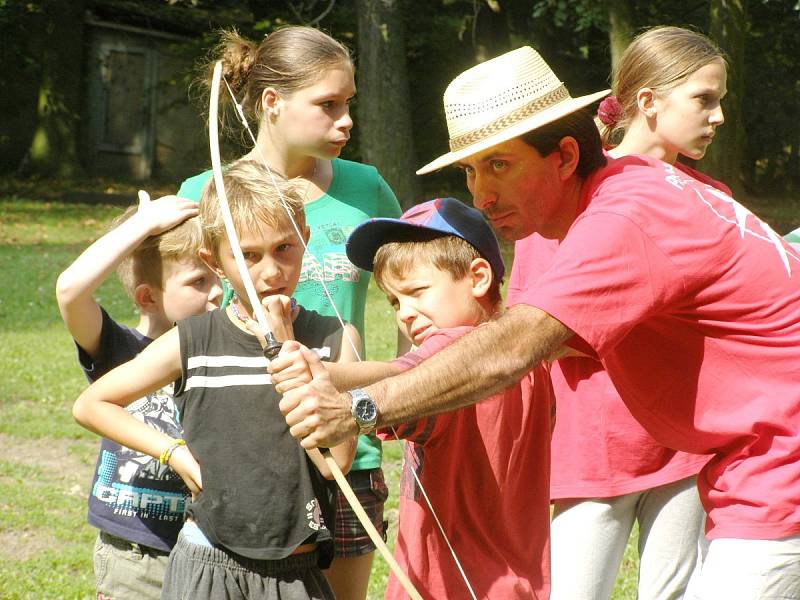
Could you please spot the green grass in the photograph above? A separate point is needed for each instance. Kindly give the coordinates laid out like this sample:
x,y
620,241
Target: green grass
x,y
45,472
45,543
783,214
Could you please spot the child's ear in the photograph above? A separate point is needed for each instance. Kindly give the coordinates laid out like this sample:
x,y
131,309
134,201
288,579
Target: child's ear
x,y
270,102
480,272
211,262
147,298
646,101
306,234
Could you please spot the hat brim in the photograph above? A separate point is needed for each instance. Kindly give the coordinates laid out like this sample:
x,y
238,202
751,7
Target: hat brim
x,y
366,238
544,117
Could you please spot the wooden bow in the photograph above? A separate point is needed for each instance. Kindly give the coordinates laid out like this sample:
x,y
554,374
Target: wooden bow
x,y
216,165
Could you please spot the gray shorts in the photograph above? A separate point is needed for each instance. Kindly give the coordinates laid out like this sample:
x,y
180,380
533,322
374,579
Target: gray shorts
x,y
200,572
127,571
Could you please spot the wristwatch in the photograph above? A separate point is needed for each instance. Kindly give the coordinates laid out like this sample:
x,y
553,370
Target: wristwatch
x,y
364,410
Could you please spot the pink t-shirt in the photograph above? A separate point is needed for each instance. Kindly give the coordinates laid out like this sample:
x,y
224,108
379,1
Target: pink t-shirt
x,y
485,469
599,450
693,305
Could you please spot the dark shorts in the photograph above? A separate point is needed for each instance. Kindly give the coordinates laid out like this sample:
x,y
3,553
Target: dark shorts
x,y
205,573
350,537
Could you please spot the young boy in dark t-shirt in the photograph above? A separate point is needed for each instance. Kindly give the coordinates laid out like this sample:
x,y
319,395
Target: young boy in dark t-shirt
x,y
136,503
258,521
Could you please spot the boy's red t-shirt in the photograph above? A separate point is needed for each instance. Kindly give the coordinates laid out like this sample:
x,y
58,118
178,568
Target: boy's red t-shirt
x,y
693,305
485,470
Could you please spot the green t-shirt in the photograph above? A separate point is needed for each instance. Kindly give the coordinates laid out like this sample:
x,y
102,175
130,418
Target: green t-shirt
x,y
793,237
357,193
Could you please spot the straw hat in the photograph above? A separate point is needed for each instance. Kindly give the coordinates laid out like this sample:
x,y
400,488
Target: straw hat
x,y
501,99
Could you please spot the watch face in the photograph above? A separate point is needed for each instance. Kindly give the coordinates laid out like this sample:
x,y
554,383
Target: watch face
x,y
365,410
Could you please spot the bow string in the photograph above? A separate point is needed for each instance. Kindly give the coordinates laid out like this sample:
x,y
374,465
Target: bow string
x,y
339,477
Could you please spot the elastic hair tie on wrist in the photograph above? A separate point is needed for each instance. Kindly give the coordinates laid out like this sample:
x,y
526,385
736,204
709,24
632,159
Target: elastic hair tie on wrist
x,y
166,454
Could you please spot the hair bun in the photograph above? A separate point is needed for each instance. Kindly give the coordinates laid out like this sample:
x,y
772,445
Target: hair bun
x,y
238,56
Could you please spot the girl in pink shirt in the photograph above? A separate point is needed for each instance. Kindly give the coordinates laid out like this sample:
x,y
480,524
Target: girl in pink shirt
x,y
607,472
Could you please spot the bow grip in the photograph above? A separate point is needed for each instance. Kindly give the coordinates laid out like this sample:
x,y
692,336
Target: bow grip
x,y
273,347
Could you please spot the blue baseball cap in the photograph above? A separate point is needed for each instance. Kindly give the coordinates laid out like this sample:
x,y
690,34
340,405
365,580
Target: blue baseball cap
x,y
444,215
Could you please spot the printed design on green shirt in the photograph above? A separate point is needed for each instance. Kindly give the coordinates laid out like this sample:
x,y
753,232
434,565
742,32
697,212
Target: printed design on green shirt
x,y
335,265
335,235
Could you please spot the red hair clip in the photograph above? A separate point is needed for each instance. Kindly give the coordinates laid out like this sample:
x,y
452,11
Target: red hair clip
x,y
610,111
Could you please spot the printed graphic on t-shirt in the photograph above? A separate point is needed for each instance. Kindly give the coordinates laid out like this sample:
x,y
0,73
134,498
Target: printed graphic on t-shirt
x,y
335,265
334,234
132,482
739,216
314,515
326,259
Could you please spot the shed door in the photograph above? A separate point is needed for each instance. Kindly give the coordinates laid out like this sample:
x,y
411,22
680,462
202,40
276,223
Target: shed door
x,y
122,87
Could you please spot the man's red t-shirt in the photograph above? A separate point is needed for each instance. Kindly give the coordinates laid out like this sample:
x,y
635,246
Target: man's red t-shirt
x,y
693,305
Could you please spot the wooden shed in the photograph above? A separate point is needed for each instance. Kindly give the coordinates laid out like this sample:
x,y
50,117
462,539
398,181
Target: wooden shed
x,y
138,121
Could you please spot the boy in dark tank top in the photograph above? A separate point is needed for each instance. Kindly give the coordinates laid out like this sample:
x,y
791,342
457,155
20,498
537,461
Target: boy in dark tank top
x,y
260,518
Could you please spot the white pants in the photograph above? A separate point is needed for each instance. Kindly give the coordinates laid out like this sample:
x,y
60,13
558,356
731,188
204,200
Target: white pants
x,y
588,539
736,569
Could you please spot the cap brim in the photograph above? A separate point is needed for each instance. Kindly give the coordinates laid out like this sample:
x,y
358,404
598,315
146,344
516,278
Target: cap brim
x,y
533,122
365,240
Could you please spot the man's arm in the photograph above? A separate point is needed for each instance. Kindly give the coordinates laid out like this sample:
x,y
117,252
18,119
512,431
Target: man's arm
x,y
346,376
482,362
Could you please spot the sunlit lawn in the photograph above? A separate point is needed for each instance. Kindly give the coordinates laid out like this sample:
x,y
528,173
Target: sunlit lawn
x,y
45,469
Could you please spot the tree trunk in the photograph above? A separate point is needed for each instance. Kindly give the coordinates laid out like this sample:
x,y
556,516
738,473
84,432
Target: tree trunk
x,y
53,147
384,105
724,158
490,34
621,29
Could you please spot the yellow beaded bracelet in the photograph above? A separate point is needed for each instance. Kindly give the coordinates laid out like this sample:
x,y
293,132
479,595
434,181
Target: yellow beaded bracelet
x,y
167,452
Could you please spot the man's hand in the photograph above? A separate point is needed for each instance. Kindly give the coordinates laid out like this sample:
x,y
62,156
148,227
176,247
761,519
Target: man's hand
x,y
289,370
316,413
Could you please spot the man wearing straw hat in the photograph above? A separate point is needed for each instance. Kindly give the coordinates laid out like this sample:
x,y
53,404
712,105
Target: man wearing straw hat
x,y
691,303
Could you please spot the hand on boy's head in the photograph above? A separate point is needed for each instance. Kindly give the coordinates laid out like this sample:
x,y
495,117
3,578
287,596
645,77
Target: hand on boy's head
x,y
165,213
317,414
280,314
289,369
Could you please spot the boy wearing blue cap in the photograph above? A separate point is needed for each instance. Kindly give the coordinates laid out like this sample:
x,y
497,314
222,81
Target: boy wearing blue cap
x,y
440,267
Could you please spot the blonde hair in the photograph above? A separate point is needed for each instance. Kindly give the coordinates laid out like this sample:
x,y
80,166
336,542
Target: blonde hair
x,y
661,58
146,263
287,59
448,253
253,200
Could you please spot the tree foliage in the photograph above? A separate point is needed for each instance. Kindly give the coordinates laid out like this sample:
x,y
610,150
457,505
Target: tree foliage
x,y
578,38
